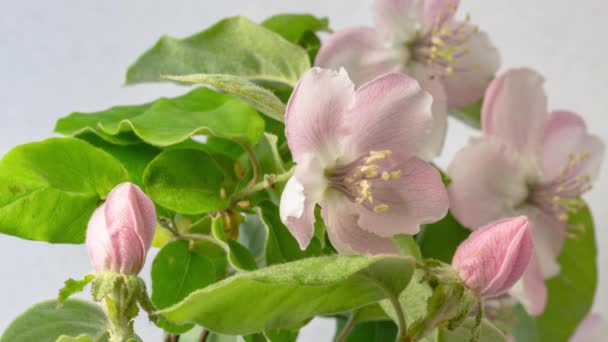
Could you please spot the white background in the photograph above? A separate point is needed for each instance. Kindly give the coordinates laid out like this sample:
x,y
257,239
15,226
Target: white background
x,y
61,56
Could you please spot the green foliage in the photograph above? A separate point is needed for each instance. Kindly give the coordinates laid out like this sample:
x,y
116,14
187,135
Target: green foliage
x,y
299,29
470,115
234,46
73,286
374,331
570,293
187,181
290,293
167,122
50,188
439,240
464,333
47,321
238,255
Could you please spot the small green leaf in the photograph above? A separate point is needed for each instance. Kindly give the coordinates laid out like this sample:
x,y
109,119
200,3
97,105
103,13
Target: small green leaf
x,y
374,331
49,189
470,115
293,26
187,181
439,240
282,335
239,256
254,52
260,98
74,286
407,245
167,122
290,293
489,333
102,284
47,321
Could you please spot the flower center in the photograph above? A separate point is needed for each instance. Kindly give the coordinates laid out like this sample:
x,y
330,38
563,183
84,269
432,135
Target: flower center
x,y
561,197
443,44
356,180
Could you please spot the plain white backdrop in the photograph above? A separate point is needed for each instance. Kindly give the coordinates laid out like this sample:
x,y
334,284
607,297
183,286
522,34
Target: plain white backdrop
x,y
62,56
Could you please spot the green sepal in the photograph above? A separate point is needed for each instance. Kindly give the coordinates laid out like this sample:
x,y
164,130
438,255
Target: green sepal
x,y
73,286
102,285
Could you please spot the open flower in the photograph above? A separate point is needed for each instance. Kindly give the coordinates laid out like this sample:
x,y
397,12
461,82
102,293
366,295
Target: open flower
x,y
530,162
494,257
452,60
356,157
121,230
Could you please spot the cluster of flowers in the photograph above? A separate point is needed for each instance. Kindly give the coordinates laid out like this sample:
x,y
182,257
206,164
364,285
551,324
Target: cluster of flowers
x,y
363,127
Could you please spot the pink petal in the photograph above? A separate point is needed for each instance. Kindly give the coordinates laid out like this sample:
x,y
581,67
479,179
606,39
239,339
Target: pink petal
x,y
128,207
566,134
439,108
531,290
549,236
128,256
362,53
489,179
416,198
98,242
437,12
297,212
592,329
315,110
494,257
473,70
340,216
515,109
393,113
398,21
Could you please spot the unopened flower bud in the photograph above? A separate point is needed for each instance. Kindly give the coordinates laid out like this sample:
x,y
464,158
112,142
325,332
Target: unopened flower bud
x,y
121,230
494,257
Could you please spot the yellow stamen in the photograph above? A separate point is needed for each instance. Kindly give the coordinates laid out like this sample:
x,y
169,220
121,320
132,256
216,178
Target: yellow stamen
x,y
380,208
377,155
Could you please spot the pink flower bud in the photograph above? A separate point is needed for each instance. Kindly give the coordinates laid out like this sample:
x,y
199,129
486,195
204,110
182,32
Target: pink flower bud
x,y
494,257
120,231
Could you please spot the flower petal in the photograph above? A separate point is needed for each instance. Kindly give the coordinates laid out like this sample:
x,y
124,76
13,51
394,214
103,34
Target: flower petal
x,y
315,111
98,243
439,108
515,109
297,212
362,53
340,216
391,112
592,329
415,198
473,71
531,290
398,21
489,179
566,134
436,12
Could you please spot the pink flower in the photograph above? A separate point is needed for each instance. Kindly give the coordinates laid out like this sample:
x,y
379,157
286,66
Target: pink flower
x,y
120,231
356,157
529,162
452,60
494,257
592,329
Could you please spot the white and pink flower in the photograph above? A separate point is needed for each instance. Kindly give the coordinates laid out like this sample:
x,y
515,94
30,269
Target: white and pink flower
x,y
529,162
357,157
451,59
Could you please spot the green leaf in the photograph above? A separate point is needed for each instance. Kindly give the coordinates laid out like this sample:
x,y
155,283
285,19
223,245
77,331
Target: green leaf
x,y
293,26
49,189
260,98
407,245
570,294
74,286
102,284
47,321
187,181
238,255
290,293
470,115
177,271
282,335
281,246
488,333
375,331
253,52
439,240
134,157
167,122
79,338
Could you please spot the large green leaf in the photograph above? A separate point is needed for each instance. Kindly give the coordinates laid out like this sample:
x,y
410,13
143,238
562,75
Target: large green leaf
x,y
290,293
261,98
49,189
47,321
234,46
464,333
571,293
187,181
373,331
439,240
167,122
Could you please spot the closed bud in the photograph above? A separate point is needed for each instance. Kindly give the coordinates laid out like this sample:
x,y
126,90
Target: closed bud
x,y
494,257
121,230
